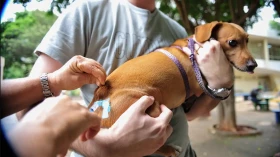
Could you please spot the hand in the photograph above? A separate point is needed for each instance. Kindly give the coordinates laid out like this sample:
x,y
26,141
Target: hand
x,y
135,133
52,126
213,64
77,72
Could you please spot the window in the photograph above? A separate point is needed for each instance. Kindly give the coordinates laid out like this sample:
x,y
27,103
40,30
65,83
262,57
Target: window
x,y
256,48
274,52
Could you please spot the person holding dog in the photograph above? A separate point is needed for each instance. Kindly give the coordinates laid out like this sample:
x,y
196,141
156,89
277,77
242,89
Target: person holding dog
x,y
111,32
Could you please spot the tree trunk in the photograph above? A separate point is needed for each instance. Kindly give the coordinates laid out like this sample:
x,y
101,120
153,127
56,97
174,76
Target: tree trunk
x,y
226,114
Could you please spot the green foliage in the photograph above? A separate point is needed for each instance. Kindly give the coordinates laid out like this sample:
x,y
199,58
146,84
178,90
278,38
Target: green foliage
x,y
275,25
73,93
193,12
20,38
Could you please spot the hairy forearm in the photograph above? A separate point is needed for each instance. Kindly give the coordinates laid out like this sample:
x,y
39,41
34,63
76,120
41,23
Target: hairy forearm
x,y
202,105
18,94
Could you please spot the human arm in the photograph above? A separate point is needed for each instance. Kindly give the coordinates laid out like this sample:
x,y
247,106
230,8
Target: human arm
x,y
135,133
219,76
21,94
18,94
49,128
202,105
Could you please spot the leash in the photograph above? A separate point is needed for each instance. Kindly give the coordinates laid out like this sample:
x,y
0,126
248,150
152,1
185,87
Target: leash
x,y
181,69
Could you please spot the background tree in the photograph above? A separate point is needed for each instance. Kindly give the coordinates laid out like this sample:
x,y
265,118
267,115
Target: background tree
x,y
20,38
275,25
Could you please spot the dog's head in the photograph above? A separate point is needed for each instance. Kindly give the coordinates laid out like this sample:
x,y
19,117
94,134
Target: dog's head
x,y
233,40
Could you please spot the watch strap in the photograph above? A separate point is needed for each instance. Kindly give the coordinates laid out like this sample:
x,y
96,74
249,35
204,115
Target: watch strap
x,y
45,85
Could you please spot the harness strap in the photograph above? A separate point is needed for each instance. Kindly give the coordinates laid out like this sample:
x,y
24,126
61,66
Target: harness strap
x,y
197,71
181,69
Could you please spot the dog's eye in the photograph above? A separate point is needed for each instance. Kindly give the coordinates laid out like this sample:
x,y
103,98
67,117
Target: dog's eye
x,y
233,43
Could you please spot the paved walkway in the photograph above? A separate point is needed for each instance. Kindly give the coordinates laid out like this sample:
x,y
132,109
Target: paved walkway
x,y
267,144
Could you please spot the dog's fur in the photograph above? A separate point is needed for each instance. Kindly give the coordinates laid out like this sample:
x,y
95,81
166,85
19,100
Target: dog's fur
x,y
156,75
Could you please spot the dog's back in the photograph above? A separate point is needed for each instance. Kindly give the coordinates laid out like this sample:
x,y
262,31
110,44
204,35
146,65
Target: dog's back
x,y
145,75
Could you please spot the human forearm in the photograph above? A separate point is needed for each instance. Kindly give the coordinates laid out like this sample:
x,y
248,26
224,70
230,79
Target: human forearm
x,y
18,94
202,105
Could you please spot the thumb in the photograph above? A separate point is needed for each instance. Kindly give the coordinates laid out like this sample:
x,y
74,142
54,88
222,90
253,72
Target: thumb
x,y
143,103
90,133
91,79
91,126
166,114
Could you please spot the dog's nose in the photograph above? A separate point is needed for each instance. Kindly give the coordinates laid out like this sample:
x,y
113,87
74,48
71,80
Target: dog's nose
x,y
251,65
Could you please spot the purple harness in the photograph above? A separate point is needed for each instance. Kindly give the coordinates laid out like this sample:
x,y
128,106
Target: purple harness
x,y
181,69
194,65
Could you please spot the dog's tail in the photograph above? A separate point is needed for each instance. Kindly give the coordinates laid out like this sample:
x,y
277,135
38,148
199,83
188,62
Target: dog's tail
x,y
101,93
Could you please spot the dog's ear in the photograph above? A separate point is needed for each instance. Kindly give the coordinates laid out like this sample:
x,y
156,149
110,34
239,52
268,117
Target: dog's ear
x,y
204,32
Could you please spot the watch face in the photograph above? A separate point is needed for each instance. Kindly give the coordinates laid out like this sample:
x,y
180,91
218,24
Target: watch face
x,y
221,93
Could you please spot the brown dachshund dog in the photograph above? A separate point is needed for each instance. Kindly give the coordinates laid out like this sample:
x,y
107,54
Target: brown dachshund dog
x,y
155,74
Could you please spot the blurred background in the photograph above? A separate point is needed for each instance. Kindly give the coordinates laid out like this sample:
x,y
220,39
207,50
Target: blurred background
x,y
237,127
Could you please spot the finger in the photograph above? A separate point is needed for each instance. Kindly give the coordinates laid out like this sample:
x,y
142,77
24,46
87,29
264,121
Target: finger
x,y
91,126
215,43
204,51
92,132
166,114
94,63
94,80
142,104
83,136
99,74
94,120
96,73
90,66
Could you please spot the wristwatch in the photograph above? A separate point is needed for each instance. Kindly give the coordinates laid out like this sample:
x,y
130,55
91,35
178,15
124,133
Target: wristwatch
x,y
45,85
221,93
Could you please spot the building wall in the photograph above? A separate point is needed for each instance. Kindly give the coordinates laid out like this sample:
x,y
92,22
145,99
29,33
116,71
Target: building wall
x,y
245,82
